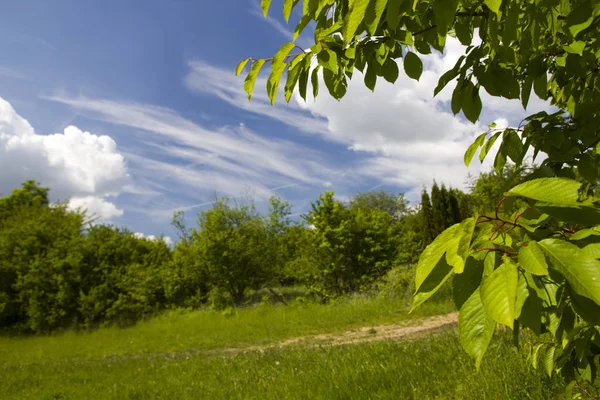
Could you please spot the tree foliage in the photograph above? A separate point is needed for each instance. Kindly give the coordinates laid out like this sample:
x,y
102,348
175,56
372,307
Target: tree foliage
x,y
549,47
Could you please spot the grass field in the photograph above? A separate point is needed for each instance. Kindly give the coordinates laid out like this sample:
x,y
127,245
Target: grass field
x,y
431,367
152,360
205,330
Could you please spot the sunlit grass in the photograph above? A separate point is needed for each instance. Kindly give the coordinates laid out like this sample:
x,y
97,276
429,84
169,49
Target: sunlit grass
x,y
205,329
425,368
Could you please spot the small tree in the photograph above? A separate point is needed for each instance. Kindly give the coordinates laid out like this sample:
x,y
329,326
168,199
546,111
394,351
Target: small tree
x,y
233,247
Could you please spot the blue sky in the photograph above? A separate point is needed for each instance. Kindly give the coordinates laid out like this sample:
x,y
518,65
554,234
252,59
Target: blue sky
x,y
168,125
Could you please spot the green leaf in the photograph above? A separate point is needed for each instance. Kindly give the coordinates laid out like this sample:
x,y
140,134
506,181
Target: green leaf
x,y
512,145
314,80
373,15
475,327
240,66
393,13
303,79
587,166
390,70
457,96
471,102
433,253
300,26
458,248
581,271
532,259
448,76
370,77
328,59
473,148
288,6
559,191
526,91
531,312
540,86
575,47
522,295
547,360
251,78
580,18
264,5
499,293
292,78
488,146
493,5
413,65
432,283
465,284
585,233
573,214
353,18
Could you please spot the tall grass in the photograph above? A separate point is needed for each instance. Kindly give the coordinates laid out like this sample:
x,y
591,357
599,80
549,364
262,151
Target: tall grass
x,y
433,367
205,329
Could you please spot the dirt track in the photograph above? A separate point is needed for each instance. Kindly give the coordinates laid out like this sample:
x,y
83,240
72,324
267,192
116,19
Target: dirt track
x,y
409,328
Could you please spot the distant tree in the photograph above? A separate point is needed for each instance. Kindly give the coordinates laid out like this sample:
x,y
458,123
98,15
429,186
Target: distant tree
x,y
429,230
353,246
395,205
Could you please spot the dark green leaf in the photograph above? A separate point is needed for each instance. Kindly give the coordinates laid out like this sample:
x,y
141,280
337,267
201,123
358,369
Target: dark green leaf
x,y
370,77
465,284
393,13
314,79
413,65
471,102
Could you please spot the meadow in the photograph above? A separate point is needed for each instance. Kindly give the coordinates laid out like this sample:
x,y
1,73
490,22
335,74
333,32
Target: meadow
x,y
187,355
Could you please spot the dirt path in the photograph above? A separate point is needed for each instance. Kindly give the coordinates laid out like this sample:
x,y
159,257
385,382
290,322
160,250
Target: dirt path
x,y
405,329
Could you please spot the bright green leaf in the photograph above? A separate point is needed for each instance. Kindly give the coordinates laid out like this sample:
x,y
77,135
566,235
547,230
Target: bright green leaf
x,y
473,148
288,5
499,293
559,191
488,146
373,14
240,66
532,259
264,5
251,78
475,327
353,18
493,5
433,253
581,271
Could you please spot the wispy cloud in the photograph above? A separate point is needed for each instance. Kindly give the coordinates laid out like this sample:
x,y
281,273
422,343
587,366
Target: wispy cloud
x,y
208,79
13,73
180,155
278,26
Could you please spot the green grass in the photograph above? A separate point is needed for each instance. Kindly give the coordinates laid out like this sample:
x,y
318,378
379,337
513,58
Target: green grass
x,y
427,368
205,330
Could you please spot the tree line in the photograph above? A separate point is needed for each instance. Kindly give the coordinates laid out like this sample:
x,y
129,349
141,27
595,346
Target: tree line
x,y
58,271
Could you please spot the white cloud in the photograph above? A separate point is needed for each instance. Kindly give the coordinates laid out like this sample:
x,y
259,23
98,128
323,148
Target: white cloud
x,y
98,209
167,239
72,163
409,137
